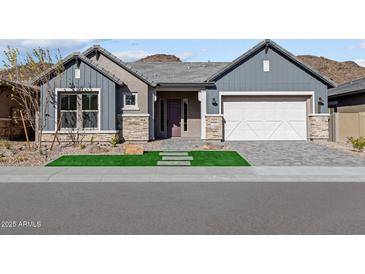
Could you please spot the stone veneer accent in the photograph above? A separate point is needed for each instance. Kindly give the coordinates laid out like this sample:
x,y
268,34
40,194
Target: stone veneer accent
x,y
214,127
134,127
9,130
319,127
84,137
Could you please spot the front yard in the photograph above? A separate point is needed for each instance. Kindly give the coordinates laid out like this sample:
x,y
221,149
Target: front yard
x,y
151,158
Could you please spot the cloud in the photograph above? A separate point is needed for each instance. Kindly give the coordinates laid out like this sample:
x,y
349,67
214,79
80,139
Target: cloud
x,y
132,55
361,45
52,44
360,62
186,55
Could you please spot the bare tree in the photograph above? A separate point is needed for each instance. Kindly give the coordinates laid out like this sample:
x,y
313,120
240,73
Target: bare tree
x,y
20,68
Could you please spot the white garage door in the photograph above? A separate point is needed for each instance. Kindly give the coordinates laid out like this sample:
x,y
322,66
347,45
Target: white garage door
x,y
264,119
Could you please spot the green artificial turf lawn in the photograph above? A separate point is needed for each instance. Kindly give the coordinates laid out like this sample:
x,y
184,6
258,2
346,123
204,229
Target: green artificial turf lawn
x,y
147,159
217,158
150,158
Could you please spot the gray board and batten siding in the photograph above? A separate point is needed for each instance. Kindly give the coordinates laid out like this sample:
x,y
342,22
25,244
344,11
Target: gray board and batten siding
x,y
284,75
90,78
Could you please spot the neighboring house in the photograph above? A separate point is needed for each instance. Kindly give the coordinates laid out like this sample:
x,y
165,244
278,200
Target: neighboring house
x,y
265,94
11,126
347,107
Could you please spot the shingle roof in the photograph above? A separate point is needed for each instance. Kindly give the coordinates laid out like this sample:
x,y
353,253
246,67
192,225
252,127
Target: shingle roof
x,y
177,72
348,88
269,43
85,60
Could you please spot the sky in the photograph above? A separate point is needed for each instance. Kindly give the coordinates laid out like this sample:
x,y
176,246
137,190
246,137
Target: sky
x,y
195,50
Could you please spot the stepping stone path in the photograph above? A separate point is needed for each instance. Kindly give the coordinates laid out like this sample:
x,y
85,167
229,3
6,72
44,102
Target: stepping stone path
x,y
172,158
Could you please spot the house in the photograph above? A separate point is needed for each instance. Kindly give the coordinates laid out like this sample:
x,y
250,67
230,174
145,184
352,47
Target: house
x,y
265,94
11,125
347,108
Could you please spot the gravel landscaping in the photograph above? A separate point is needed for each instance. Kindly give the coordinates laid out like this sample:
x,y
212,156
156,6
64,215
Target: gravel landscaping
x,y
17,153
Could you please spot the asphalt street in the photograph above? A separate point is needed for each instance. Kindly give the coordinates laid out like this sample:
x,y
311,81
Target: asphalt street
x,y
172,207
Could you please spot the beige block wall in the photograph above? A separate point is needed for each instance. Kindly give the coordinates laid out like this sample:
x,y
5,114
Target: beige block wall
x,y
82,137
319,127
194,115
346,125
133,127
214,127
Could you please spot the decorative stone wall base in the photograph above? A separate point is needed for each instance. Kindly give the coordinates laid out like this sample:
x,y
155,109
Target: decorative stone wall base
x,y
81,137
134,127
214,127
319,127
10,130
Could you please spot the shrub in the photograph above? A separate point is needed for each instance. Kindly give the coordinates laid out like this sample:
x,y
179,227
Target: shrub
x,y
21,158
82,146
6,144
92,140
357,143
114,141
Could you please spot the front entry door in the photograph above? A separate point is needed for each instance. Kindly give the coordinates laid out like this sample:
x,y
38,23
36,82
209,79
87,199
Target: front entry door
x,y
173,118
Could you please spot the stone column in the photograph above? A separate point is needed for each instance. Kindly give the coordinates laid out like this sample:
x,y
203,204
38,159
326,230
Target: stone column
x,y
319,127
214,127
134,127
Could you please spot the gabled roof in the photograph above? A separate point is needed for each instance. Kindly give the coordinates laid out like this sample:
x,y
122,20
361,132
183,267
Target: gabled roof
x,y
265,44
7,82
84,59
349,88
119,62
177,72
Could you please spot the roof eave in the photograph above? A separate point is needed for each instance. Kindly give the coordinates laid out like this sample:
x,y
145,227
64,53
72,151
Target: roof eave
x,y
118,62
267,43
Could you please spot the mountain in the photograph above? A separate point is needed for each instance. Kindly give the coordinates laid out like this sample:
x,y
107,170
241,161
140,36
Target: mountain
x,y
340,72
160,58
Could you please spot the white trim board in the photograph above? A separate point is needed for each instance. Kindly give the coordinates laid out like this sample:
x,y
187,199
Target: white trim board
x,y
82,131
266,93
203,111
78,90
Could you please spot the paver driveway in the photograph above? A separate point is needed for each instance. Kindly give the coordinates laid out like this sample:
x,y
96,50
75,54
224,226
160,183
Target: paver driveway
x,y
293,153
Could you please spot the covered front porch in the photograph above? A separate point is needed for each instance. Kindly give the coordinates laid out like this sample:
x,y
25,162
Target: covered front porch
x,y
177,114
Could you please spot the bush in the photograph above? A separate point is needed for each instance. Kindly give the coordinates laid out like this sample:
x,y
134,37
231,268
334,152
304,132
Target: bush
x,y
82,146
6,144
92,140
21,158
114,141
357,143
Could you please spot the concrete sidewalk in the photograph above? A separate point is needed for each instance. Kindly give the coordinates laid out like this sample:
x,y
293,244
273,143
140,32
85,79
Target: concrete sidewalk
x,y
181,174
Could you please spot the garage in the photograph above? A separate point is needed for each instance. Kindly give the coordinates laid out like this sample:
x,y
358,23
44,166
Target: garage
x,y
264,118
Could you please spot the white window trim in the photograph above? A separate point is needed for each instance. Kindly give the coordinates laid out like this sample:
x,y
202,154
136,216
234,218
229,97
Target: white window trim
x,y
185,100
77,90
163,100
130,107
267,93
203,111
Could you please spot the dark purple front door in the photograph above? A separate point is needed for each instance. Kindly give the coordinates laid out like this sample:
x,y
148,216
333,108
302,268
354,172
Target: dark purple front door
x,y
173,118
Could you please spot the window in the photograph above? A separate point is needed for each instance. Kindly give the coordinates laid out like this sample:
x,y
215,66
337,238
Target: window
x,y
79,111
185,115
266,65
130,101
162,115
89,110
68,110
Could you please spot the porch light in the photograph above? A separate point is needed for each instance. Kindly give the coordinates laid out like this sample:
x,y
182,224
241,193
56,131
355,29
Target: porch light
x,y
214,102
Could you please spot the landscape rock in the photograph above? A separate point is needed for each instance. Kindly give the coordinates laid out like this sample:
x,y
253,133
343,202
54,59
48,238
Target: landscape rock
x,y
133,149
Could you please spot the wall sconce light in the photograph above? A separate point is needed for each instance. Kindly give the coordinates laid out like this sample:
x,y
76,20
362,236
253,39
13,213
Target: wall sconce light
x,y
214,102
320,101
